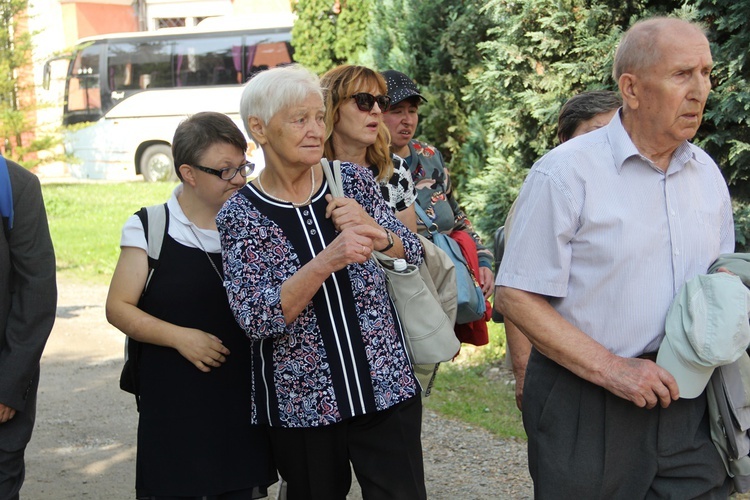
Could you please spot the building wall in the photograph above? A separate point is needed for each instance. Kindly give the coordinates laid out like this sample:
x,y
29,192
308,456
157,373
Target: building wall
x,y
96,19
259,6
192,10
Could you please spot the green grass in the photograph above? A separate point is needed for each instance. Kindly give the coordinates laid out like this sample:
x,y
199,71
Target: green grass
x,y
477,389
86,220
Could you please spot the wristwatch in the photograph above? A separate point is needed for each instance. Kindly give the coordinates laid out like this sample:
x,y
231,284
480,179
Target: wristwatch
x,y
390,242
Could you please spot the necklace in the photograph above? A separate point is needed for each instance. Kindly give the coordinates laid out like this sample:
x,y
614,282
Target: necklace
x,y
207,256
295,205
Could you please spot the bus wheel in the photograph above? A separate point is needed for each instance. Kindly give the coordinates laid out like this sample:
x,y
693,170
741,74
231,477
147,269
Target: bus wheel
x,y
157,164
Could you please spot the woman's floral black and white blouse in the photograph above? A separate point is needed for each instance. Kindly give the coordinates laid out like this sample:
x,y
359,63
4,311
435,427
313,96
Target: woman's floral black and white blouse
x,y
344,355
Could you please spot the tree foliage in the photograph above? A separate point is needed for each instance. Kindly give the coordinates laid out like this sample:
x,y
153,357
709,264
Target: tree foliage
x,y
23,139
435,42
329,33
496,73
15,54
726,130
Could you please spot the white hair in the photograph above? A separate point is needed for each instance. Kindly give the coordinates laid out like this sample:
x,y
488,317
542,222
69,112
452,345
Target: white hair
x,y
275,89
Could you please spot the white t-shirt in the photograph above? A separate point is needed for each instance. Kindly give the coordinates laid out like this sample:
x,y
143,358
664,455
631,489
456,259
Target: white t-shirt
x,y
179,229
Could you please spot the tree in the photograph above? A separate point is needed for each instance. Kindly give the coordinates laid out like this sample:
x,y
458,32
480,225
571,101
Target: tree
x,y
542,53
18,106
329,32
434,42
725,133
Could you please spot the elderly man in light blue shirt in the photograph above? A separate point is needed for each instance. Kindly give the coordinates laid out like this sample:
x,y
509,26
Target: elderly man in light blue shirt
x,y
608,226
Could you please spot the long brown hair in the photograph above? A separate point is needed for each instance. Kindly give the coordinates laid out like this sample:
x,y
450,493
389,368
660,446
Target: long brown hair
x,y
340,83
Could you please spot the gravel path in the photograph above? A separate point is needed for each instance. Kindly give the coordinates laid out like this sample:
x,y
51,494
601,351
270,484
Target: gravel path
x,y
84,441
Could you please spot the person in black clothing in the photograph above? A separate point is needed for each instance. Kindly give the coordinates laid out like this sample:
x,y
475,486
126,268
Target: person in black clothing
x,y
28,297
195,439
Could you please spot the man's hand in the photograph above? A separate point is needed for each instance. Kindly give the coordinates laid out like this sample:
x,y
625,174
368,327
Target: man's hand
x,y
640,381
6,413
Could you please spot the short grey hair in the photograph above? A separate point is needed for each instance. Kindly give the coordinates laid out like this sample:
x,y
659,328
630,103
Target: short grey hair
x,y
275,89
639,48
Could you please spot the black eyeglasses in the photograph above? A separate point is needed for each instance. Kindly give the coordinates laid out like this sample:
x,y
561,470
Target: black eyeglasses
x,y
366,101
229,173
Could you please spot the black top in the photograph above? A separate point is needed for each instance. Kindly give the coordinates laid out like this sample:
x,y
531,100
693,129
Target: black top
x,y
194,433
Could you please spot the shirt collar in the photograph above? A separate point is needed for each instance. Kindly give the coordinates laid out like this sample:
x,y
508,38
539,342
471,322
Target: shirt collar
x,y
623,147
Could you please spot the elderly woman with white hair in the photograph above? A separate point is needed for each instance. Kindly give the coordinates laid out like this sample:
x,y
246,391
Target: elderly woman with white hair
x,y
331,375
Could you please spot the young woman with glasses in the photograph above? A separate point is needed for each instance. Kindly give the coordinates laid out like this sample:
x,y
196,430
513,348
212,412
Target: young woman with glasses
x,y
356,98
194,363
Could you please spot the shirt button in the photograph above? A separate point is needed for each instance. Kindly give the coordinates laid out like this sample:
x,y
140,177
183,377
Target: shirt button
x,y
313,232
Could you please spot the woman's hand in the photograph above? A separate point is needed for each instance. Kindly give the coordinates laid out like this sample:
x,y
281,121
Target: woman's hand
x,y
204,350
346,212
486,281
353,245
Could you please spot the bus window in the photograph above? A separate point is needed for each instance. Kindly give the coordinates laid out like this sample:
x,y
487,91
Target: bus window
x,y
84,102
139,65
206,61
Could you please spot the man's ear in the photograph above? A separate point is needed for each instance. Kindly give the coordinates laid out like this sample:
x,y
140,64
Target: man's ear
x,y
188,174
630,88
257,129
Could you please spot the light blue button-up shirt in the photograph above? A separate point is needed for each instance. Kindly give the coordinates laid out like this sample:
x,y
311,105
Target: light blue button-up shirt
x,y
610,238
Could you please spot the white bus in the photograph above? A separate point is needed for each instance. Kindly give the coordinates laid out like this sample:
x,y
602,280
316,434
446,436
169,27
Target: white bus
x,y
131,90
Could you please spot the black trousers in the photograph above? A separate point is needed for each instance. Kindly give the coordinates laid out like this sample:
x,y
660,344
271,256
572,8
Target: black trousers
x,y
587,443
12,471
246,494
384,449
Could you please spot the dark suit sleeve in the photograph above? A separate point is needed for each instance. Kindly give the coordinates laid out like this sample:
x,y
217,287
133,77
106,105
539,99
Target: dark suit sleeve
x,y
33,291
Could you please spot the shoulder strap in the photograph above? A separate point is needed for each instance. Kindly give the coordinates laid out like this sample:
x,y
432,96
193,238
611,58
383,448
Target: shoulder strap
x,y
155,220
333,176
421,214
6,198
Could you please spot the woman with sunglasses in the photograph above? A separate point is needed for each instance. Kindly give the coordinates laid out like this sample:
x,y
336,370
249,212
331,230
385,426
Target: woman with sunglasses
x,y
356,98
194,434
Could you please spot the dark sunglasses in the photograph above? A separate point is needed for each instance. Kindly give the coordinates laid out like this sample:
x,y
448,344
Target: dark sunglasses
x,y
365,101
229,173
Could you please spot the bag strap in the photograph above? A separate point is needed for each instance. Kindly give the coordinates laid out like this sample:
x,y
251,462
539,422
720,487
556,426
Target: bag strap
x,y
431,226
333,176
155,221
6,198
